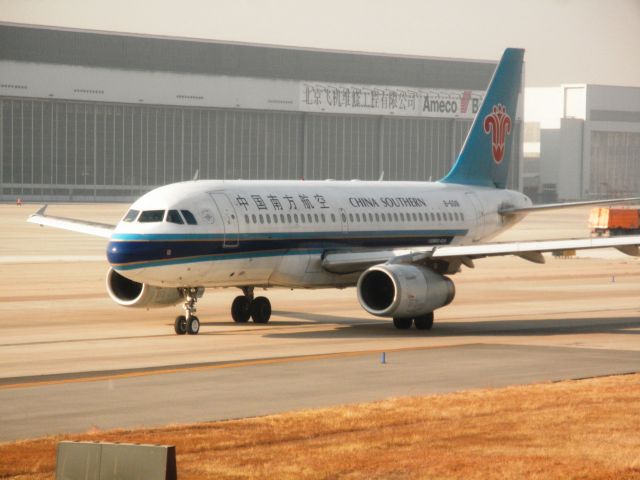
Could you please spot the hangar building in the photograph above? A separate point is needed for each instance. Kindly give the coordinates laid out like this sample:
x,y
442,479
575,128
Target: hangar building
x,y
102,116
582,142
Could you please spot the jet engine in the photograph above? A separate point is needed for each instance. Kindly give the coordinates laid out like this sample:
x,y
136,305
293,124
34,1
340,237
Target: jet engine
x,y
128,293
405,291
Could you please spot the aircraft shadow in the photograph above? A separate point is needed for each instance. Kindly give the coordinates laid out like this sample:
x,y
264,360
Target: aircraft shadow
x,y
308,318
481,328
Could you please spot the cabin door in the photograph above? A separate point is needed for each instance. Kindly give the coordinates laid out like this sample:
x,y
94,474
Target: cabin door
x,y
478,211
229,219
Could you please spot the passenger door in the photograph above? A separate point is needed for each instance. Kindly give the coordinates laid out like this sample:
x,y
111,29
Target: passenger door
x,y
478,210
229,219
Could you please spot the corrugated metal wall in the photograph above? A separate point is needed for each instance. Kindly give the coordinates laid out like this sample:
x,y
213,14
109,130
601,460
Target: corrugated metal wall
x,y
614,164
64,150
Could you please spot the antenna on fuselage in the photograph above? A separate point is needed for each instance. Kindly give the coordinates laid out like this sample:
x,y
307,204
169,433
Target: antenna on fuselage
x,y
381,176
195,175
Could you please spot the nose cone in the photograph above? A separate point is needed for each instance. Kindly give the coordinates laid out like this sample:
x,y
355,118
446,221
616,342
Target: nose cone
x,y
117,254
136,253
124,252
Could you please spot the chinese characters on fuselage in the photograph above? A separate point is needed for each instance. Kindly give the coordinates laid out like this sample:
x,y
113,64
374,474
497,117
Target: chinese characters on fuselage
x,y
282,202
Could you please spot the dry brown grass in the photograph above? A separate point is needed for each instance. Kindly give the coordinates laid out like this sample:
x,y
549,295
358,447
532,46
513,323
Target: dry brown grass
x,y
579,429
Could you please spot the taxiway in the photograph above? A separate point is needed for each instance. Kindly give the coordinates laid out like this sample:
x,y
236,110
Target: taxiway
x,y
71,360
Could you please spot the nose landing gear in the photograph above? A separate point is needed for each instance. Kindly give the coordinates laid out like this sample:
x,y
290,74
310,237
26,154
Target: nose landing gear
x,y
189,323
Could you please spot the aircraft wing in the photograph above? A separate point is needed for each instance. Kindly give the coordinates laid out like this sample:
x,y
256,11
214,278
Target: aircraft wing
x,y
553,206
350,262
91,228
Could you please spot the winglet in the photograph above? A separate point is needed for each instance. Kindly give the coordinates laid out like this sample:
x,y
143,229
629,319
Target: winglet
x,y
41,210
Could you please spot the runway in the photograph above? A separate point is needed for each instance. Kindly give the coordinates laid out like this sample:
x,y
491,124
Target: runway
x,y
71,360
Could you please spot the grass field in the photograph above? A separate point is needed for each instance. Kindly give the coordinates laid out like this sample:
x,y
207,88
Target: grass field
x,y
588,429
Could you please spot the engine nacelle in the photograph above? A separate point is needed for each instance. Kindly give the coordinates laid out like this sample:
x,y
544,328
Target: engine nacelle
x,y
128,293
405,291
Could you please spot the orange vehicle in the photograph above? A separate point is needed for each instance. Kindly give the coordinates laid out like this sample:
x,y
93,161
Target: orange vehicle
x,y
614,221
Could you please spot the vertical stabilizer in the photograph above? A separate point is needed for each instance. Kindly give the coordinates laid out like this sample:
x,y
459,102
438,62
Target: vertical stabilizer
x,y
486,153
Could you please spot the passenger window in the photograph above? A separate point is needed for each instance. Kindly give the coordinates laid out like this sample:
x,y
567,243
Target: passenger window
x,y
315,215
461,216
395,216
261,218
173,216
438,216
333,218
295,217
288,218
309,218
351,217
282,218
131,215
433,217
420,216
371,217
246,218
302,219
323,217
268,218
415,217
188,216
150,216
377,217
344,217
253,217
275,218
401,217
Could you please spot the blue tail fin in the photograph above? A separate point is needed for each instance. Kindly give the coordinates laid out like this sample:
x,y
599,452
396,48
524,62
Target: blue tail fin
x,y
486,153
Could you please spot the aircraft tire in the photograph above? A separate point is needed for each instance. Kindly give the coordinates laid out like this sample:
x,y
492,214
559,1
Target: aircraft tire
x,y
193,325
260,310
424,322
402,323
241,309
180,325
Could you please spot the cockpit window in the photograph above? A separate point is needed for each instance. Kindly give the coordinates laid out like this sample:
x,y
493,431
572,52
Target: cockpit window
x,y
131,215
149,216
188,216
173,216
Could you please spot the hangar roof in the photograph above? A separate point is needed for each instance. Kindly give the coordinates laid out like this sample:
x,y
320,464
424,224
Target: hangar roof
x,y
39,44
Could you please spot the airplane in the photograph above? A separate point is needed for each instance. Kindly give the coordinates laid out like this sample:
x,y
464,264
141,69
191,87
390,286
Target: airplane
x,y
397,242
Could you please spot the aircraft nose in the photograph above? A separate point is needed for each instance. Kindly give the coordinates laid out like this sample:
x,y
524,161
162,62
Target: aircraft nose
x,y
119,252
114,253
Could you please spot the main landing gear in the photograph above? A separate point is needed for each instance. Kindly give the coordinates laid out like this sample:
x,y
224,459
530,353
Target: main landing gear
x,y
246,306
189,323
423,322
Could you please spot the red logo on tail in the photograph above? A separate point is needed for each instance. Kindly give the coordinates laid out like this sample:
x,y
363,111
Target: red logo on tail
x,y
498,123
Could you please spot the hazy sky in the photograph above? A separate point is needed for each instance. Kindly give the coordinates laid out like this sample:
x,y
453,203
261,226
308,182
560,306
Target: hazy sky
x,y
567,41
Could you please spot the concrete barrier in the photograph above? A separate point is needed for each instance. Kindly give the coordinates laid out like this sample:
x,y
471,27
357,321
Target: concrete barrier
x,y
115,461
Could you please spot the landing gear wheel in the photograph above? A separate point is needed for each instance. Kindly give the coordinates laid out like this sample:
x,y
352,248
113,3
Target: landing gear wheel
x,y
241,309
193,326
402,323
260,310
424,322
180,325
189,323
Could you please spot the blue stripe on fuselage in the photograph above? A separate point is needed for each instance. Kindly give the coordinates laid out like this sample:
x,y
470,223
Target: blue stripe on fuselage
x,y
130,251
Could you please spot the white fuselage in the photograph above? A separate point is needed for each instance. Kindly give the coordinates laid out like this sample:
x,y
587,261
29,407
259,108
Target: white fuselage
x,y
274,233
